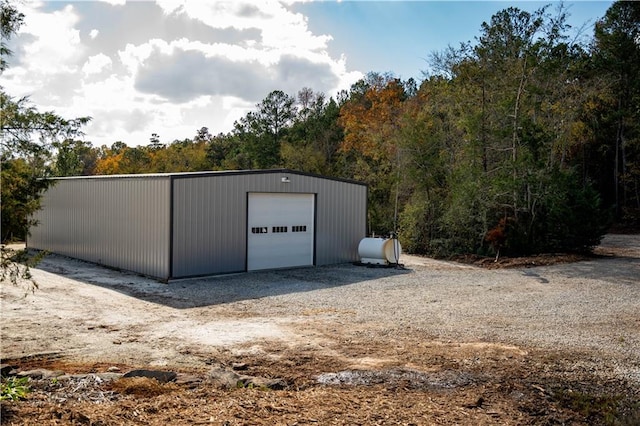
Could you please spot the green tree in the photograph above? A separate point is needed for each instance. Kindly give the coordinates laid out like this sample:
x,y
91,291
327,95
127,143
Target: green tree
x,y
118,147
180,156
616,56
529,97
28,132
429,146
20,198
154,142
74,158
10,21
203,135
312,142
261,131
135,160
26,139
28,136
224,153
495,137
369,148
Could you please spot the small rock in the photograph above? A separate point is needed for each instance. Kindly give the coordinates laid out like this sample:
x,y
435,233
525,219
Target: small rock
x,y
113,369
32,374
238,366
161,376
224,377
73,377
40,374
107,377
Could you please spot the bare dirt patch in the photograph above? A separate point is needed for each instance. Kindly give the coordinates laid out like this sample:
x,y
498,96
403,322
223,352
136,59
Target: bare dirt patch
x,y
434,343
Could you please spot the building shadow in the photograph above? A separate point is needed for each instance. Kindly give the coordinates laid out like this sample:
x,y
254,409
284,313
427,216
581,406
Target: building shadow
x,y
616,260
621,270
216,290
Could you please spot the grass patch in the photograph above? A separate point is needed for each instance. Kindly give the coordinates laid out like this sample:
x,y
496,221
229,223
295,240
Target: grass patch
x,y
14,388
609,410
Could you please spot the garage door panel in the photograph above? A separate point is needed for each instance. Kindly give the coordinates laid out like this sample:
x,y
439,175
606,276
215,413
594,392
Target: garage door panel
x,y
280,230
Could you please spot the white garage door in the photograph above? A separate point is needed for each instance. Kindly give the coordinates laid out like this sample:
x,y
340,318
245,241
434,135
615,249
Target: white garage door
x,y
280,230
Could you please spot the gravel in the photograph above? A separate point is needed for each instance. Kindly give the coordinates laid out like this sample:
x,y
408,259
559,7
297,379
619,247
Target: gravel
x,y
590,307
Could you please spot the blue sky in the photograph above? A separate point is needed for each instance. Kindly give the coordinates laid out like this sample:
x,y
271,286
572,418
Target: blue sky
x,y
397,36
171,66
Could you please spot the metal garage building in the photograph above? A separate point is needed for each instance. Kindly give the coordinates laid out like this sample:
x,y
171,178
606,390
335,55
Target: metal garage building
x,y
191,224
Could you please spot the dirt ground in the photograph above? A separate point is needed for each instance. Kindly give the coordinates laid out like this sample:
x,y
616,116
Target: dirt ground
x,y
333,364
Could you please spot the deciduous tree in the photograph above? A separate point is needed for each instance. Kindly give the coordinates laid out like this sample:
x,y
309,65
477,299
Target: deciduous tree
x,y
26,140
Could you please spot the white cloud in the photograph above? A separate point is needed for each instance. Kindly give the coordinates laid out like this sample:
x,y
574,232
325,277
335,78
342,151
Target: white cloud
x,y
139,80
280,27
96,64
132,56
56,44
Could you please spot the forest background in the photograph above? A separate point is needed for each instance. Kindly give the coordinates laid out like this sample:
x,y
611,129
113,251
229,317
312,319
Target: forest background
x,y
523,141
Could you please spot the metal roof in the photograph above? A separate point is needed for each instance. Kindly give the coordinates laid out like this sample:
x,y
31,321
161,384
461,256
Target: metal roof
x,y
181,175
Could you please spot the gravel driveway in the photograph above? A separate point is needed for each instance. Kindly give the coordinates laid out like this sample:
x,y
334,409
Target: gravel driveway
x,y
90,313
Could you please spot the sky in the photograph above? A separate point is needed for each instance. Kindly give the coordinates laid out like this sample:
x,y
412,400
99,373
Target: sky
x,y
171,67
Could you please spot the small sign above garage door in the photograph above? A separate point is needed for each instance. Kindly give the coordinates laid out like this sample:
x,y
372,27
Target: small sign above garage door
x,y
280,231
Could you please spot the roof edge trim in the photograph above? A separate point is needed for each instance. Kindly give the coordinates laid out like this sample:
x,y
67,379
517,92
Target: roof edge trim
x,y
187,175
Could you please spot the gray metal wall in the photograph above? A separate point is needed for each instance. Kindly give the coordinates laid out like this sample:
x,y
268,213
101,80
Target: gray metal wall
x,y
123,222
210,228
181,225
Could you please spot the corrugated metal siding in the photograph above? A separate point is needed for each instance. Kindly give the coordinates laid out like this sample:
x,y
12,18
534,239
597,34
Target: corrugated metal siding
x,y
119,222
209,219
341,221
208,225
125,221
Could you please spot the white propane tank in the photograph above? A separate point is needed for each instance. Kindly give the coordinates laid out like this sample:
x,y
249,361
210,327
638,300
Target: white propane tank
x,y
379,251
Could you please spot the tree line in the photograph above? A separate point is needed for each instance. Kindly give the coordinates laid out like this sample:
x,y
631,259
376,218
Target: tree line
x,y
525,141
